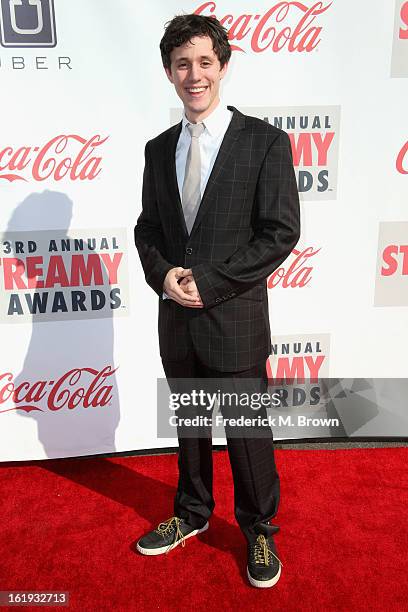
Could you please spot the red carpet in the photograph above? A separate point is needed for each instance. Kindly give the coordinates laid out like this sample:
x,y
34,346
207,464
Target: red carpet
x,y
71,525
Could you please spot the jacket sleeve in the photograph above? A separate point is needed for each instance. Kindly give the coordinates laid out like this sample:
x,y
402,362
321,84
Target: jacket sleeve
x,y
276,230
148,232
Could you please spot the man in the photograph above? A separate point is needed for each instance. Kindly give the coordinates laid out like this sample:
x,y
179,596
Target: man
x,y
220,214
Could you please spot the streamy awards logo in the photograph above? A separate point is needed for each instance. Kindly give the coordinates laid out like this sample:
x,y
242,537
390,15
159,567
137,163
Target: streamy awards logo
x,y
296,366
399,63
391,286
50,276
314,135
291,26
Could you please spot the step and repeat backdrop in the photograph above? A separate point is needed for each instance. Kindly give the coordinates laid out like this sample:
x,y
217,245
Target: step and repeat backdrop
x,y
83,89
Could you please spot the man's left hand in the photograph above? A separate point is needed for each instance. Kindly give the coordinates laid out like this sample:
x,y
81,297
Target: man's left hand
x,y
188,284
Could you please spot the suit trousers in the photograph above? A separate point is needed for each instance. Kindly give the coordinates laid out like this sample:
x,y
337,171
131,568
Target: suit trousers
x,y
255,477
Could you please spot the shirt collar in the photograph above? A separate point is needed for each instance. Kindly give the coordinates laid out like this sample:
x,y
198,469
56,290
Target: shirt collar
x,y
216,122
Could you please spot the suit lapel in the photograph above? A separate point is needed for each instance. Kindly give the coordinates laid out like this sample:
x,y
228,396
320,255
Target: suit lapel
x,y
221,164
170,165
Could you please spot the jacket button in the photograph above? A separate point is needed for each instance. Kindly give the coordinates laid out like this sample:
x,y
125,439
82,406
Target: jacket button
x,y
189,250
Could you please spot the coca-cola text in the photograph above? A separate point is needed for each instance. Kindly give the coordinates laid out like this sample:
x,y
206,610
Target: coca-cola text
x,y
298,274
268,31
79,387
51,161
402,159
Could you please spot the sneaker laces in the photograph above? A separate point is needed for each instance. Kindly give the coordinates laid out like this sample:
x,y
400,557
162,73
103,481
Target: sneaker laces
x,y
167,527
262,552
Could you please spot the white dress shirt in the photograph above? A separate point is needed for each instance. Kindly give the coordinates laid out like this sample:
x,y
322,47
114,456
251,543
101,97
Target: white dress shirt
x,y
210,141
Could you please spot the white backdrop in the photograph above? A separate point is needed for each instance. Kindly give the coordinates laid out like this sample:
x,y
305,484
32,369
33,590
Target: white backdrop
x,y
336,80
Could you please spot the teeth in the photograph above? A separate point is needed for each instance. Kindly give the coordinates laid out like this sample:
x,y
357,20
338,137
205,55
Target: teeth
x,y
196,89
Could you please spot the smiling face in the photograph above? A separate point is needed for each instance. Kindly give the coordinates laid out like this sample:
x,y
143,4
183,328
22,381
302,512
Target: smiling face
x,y
196,74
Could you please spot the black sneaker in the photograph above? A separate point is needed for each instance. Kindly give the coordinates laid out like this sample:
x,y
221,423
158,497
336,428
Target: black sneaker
x,y
167,536
264,567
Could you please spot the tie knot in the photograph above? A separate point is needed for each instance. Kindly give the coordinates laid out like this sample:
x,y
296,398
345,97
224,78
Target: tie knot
x,y
195,129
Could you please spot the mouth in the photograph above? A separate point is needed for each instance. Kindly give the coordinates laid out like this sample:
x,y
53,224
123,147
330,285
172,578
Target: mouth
x,y
197,91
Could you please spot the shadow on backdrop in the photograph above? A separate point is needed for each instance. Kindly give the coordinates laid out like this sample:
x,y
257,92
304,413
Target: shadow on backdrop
x,y
57,347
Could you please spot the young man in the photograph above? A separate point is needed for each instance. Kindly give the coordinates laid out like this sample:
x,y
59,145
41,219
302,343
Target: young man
x,y
220,214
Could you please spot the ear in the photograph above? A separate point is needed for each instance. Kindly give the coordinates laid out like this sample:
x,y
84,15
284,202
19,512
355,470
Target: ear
x,y
168,74
223,70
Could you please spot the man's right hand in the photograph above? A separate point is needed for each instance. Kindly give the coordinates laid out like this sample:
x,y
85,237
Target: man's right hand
x,y
172,288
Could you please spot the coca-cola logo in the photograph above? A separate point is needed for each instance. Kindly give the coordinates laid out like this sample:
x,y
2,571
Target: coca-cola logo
x,y
54,160
273,30
296,272
77,388
402,159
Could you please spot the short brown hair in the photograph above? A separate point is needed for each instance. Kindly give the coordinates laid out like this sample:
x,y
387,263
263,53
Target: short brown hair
x,y
183,28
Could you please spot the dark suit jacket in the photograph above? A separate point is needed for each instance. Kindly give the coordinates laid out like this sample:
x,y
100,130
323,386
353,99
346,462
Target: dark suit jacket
x,y
246,226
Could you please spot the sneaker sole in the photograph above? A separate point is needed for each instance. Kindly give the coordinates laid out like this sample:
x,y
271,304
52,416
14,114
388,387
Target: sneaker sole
x,y
264,584
163,549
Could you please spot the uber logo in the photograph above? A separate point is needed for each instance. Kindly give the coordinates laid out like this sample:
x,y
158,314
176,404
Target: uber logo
x,y
27,23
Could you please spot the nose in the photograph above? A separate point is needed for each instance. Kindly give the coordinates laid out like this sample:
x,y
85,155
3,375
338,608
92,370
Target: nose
x,y
195,72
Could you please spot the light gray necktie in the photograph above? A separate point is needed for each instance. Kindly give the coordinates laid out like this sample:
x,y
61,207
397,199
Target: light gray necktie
x,y
191,196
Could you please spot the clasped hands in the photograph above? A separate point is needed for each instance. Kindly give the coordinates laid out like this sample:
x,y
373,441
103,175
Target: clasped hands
x,y
184,292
